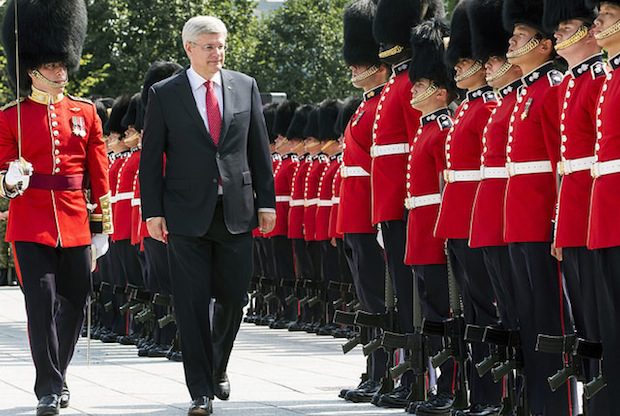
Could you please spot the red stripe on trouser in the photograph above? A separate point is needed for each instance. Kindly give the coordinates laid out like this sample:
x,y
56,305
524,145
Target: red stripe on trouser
x,y
16,262
561,286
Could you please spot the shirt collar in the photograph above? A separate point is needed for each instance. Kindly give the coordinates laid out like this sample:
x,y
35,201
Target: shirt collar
x,y
196,80
584,67
373,92
537,73
614,61
478,93
510,88
434,115
44,98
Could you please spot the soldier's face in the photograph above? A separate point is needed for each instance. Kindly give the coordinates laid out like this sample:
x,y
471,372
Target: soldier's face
x,y
608,15
473,81
54,71
207,53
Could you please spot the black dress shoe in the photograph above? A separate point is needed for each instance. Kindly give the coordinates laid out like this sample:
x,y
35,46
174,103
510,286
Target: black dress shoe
x,y
157,351
396,399
364,393
48,405
438,405
201,406
65,396
222,387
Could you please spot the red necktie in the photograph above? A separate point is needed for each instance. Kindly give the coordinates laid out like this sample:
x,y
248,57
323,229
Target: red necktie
x,y
213,113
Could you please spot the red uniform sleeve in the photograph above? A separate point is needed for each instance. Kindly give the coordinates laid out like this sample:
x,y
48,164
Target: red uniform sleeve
x,y
97,168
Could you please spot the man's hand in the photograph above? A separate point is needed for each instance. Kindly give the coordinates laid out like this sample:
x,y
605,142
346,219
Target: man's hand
x,y
18,175
556,252
4,215
158,229
266,222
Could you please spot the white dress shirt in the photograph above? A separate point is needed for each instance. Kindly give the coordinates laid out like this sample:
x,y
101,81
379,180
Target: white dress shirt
x,y
199,90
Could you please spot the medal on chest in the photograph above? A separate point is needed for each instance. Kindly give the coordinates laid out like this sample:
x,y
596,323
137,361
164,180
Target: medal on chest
x,y
78,126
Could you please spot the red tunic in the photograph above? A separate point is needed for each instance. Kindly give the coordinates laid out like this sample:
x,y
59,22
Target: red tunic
x,y
61,137
124,195
296,209
463,149
354,210
604,228
487,221
395,124
283,178
426,163
579,97
311,194
326,192
534,136
335,209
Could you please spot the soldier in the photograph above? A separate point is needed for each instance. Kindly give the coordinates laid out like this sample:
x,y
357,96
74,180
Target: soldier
x,y
432,91
395,125
572,22
532,153
604,226
50,225
364,254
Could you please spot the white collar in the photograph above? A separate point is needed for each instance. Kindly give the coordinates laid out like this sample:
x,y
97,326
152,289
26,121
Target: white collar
x,y
196,80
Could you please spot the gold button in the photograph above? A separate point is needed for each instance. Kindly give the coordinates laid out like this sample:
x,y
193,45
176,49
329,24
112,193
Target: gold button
x,y
57,160
57,170
56,152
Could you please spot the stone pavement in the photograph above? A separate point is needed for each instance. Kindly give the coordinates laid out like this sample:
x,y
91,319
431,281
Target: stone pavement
x,y
272,373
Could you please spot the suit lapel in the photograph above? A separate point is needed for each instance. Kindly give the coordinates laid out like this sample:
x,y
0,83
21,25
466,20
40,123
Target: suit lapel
x,y
228,89
187,97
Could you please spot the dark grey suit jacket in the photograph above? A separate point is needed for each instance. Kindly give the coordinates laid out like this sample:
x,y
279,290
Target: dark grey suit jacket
x,y
183,188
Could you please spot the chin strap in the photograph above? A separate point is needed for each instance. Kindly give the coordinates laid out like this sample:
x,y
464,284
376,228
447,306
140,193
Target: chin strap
x,y
525,49
394,50
610,31
503,70
424,95
477,66
581,33
54,84
364,75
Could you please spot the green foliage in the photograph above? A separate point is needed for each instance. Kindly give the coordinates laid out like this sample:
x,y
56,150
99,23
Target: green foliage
x,y
300,51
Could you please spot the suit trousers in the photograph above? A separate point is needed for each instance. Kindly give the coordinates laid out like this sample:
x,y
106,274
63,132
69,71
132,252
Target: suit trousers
x,y
479,309
542,310
55,283
216,265
367,264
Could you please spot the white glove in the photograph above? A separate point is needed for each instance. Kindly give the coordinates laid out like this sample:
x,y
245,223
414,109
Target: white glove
x,y
18,175
99,245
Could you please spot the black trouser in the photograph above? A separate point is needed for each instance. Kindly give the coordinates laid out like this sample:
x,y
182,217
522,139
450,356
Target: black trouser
x,y
579,268
217,265
55,283
479,309
158,273
330,271
537,287
304,270
497,262
285,270
367,264
343,264
265,256
432,280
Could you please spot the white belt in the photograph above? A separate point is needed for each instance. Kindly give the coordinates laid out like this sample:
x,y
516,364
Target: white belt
x,y
566,167
283,198
451,176
493,173
311,202
297,203
422,201
325,203
605,168
122,196
378,150
135,202
335,200
526,168
350,171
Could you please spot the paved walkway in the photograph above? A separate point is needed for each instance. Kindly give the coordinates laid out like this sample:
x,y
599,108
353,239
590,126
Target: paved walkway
x,y
272,373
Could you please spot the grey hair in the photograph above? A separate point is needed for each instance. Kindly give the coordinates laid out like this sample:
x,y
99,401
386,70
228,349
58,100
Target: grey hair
x,y
200,25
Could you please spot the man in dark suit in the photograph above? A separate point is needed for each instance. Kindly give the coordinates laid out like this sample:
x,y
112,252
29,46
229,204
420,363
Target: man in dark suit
x,y
216,186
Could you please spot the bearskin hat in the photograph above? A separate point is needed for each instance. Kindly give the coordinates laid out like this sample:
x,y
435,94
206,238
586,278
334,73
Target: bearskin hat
x,y
269,113
597,3
526,12
460,35
300,120
488,36
349,107
49,31
328,114
102,112
134,114
119,109
557,11
312,124
284,115
158,71
395,18
429,54
360,47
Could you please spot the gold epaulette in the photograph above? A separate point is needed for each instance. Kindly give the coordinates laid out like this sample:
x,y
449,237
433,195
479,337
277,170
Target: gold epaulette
x,y
84,100
12,104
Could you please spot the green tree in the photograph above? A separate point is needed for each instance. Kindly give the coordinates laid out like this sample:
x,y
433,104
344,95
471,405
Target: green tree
x,y
300,51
